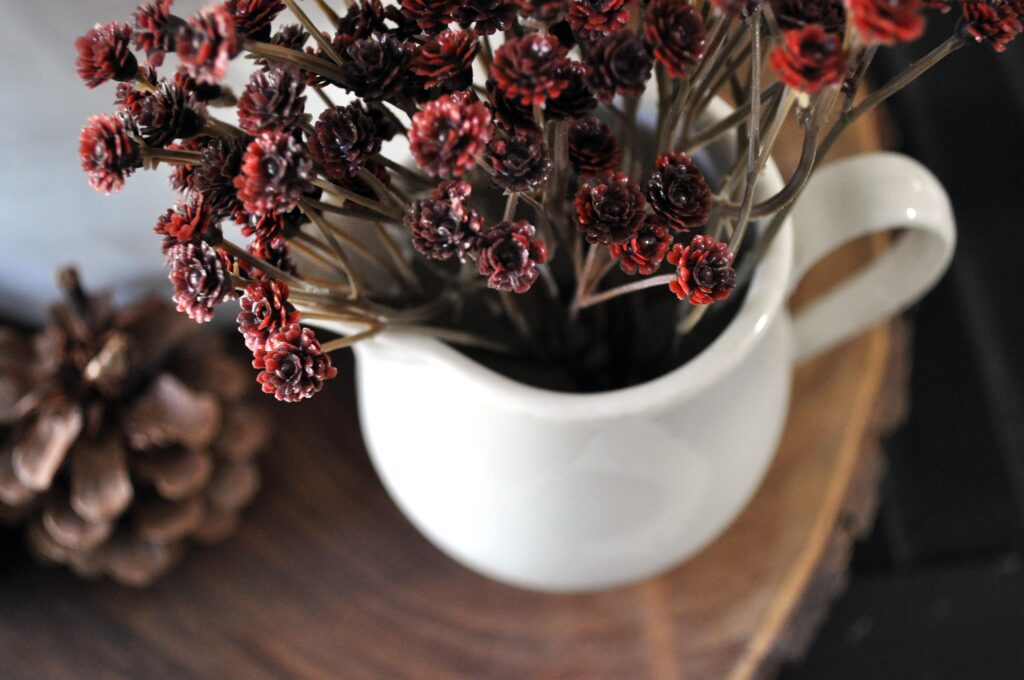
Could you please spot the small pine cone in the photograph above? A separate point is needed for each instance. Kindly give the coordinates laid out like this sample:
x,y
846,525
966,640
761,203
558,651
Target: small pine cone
x,y
886,21
644,252
273,228
809,59
292,36
273,100
611,211
108,153
104,53
207,43
274,252
795,14
486,16
201,277
384,121
128,98
448,134
265,310
215,175
519,163
156,30
531,69
443,226
545,11
620,64
253,17
577,99
203,92
182,177
189,220
995,23
431,16
446,61
166,115
343,140
292,365
276,169
679,193
374,68
593,148
510,255
704,272
363,18
675,32
594,18
510,115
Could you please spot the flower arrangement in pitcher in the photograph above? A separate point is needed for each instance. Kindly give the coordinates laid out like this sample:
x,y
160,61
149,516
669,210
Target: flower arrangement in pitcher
x,y
531,176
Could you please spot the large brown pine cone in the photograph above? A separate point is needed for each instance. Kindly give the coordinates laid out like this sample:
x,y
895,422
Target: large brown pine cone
x,y
123,437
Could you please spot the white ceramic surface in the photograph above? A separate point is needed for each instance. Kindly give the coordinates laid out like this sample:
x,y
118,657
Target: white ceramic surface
x,y
577,492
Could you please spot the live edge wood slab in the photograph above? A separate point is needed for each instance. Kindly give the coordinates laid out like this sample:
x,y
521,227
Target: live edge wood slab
x,y
326,579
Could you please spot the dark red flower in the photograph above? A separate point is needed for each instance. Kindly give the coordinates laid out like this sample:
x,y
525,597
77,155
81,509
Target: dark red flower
x,y
108,154
531,68
520,163
362,19
448,134
343,139
443,226
486,16
201,277
994,22
446,61
182,176
387,125
430,15
253,17
273,100
577,99
620,64
276,169
203,92
166,115
190,219
510,256
644,252
265,310
610,211
544,11
591,18
156,30
292,365
809,59
512,116
886,21
678,192
794,14
374,68
704,272
207,43
104,53
215,175
675,32
273,229
593,147
275,252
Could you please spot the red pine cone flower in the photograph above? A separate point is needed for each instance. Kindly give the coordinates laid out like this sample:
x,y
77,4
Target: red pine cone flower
x,y
809,59
203,92
363,18
265,309
704,272
620,64
678,192
520,163
486,16
510,256
448,134
443,226
189,220
201,277
544,11
644,252
274,229
996,22
166,115
207,43
577,99
108,154
182,177
343,139
510,115
593,148
253,17
273,100
214,177
276,169
292,365
528,68
274,252
675,32
886,21
446,61
156,30
374,68
430,15
611,211
591,18
104,53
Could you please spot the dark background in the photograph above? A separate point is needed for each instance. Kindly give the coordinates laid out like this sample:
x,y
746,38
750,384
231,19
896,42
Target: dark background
x,y
937,590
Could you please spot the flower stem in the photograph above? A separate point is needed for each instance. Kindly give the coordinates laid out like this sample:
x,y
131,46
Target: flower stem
x,y
510,206
315,65
343,264
318,36
349,340
341,192
611,293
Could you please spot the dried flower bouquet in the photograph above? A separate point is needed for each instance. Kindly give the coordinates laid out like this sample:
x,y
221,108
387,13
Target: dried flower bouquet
x,y
522,119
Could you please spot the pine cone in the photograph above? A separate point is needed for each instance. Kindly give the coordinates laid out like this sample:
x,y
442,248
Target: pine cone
x,y
519,163
593,147
123,437
343,140
166,115
273,100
